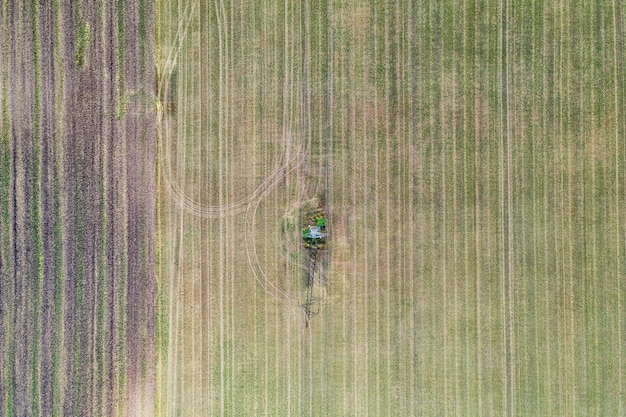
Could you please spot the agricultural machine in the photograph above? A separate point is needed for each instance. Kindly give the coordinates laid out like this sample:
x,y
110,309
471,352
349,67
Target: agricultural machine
x,y
313,239
315,231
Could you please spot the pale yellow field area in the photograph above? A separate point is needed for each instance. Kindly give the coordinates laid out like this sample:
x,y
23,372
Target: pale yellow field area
x,y
470,157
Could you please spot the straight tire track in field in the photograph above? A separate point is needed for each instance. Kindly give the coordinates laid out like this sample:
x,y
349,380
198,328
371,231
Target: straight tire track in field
x,y
507,236
619,68
6,223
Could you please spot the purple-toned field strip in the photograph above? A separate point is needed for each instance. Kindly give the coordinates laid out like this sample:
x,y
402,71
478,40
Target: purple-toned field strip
x,y
78,193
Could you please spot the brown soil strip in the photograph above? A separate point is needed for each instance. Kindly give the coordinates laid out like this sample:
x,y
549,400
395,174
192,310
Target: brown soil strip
x,y
7,220
23,124
48,183
506,196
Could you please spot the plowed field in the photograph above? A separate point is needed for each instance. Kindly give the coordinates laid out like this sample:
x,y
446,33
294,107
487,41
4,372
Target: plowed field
x,y
77,197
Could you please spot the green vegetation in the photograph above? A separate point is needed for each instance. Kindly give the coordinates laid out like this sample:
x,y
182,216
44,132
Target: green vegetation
x,y
5,163
43,138
78,383
121,64
83,37
58,308
143,33
57,355
102,294
5,253
122,105
468,156
121,307
36,240
7,356
287,227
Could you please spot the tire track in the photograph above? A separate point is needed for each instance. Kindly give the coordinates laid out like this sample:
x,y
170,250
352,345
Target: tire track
x,y
214,211
292,158
618,68
250,242
506,195
249,205
194,207
455,239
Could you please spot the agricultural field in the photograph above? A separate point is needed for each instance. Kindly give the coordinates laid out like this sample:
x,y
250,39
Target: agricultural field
x,y
158,161
470,157
77,208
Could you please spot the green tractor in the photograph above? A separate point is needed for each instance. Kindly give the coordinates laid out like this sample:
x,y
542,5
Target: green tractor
x,y
320,220
314,233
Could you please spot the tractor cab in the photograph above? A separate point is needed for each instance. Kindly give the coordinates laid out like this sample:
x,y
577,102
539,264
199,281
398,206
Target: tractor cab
x,y
313,232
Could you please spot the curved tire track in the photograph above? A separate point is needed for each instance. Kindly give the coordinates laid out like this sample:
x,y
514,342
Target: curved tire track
x,y
204,210
249,204
192,206
250,238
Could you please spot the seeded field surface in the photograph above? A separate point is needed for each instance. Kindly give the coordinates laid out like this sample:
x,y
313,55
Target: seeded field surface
x,y
470,156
